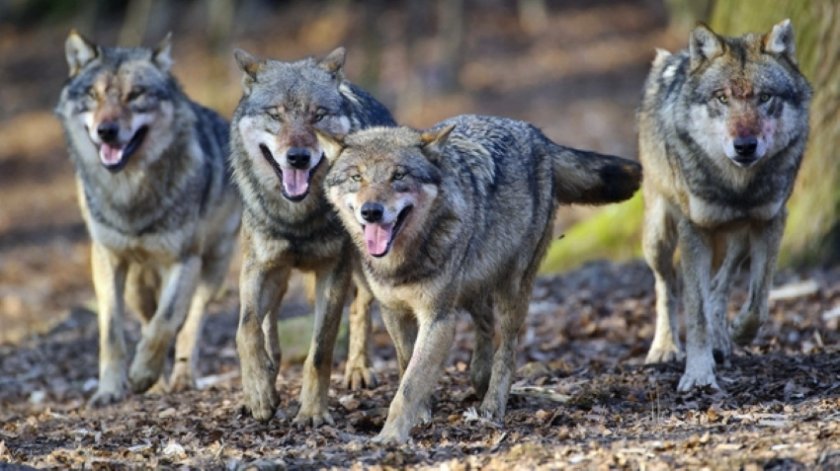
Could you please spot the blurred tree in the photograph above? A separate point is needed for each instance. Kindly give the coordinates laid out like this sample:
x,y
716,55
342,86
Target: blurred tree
x,y
813,229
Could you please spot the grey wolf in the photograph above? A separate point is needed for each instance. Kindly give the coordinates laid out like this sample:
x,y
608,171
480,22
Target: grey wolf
x,y
722,131
458,218
279,169
155,194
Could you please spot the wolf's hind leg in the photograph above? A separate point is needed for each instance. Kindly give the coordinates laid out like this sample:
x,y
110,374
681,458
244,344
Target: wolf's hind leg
x,y
511,302
764,249
481,363
659,240
179,287
720,287
213,271
109,277
358,372
330,293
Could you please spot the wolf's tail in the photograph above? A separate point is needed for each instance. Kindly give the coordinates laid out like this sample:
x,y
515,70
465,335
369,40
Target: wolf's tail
x,y
586,177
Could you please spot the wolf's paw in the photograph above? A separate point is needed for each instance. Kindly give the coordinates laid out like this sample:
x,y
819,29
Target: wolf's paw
x,y
690,381
306,418
141,377
390,436
104,397
744,329
181,378
663,354
492,410
260,398
722,347
358,376
146,367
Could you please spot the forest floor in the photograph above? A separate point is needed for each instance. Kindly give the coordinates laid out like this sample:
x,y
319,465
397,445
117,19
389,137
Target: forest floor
x,y
583,398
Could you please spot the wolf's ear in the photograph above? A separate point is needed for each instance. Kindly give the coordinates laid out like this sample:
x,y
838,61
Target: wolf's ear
x,y
432,142
248,64
780,41
704,45
162,53
331,145
79,51
334,62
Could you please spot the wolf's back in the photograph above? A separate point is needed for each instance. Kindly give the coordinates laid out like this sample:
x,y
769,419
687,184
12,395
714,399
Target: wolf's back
x,y
586,177
367,110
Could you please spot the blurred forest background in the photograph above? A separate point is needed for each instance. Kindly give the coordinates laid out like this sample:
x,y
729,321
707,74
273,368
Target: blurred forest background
x,y
575,68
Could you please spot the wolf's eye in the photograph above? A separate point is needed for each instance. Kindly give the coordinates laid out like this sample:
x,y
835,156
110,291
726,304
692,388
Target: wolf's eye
x,y
764,98
721,97
90,93
399,175
356,177
320,114
135,93
274,114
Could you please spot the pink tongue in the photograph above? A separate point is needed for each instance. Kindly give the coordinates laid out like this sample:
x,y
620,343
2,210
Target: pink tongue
x,y
295,182
377,238
110,155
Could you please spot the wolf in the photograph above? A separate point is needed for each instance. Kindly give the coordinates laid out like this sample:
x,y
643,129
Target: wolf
x,y
458,217
157,199
288,223
722,132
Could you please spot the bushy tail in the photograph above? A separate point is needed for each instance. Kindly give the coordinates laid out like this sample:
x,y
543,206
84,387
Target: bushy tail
x,y
586,177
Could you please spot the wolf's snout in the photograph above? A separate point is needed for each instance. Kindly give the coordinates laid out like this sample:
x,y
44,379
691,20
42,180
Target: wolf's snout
x,y
108,131
745,146
372,212
298,157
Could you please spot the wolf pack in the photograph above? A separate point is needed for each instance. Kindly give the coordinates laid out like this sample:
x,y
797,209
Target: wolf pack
x,y
313,174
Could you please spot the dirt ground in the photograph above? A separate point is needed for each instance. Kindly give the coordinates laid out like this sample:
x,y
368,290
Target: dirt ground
x,y
583,398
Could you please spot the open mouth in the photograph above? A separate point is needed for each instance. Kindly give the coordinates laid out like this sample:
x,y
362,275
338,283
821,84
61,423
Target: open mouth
x,y
114,157
294,182
380,237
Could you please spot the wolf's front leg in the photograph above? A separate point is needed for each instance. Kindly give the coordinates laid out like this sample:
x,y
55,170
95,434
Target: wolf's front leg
x,y
696,266
179,286
109,275
434,340
330,292
764,248
256,337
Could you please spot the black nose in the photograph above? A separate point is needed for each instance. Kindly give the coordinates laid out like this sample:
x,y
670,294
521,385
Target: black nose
x,y
108,131
745,146
372,212
298,157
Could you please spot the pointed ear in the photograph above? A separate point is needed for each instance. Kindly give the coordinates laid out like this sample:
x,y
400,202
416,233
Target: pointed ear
x,y
432,142
780,41
79,51
334,62
704,45
162,53
331,145
248,64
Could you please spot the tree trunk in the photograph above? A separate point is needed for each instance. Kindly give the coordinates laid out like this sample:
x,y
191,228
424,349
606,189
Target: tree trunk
x,y
812,235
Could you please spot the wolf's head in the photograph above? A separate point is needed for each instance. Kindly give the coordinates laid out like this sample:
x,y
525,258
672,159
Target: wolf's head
x,y
284,103
117,102
747,97
383,182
